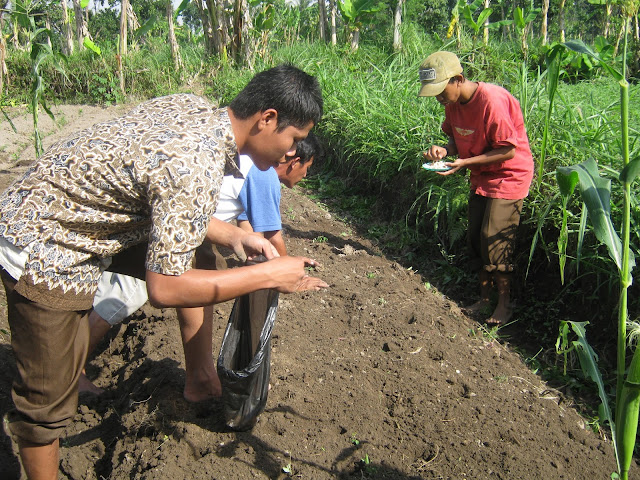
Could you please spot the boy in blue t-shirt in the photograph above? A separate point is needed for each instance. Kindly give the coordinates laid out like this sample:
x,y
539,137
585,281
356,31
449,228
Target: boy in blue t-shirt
x,y
260,195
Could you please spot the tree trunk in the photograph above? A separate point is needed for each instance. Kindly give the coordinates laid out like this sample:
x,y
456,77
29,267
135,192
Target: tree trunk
x,y
355,39
81,27
544,30
241,46
505,28
607,20
397,23
209,44
332,13
67,43
219,28
124,5
15,38
322,22
47,24
3,48
173,43
561,15
620,34
132,18
485,33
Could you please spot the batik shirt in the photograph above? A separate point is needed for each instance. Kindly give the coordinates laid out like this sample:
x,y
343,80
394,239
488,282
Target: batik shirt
x,y
152,175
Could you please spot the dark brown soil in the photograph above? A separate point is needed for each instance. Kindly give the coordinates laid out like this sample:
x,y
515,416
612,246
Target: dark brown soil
x,y
376,377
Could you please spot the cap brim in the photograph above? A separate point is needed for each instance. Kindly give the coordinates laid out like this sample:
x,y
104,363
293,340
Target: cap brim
x,y
432,89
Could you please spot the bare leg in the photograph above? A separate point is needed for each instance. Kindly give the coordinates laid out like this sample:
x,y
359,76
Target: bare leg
x,y
486,284
40,462
504,310
98,328
196,328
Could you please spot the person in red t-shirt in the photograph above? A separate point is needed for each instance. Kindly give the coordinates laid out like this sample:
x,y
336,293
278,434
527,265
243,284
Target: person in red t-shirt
x,y
486,131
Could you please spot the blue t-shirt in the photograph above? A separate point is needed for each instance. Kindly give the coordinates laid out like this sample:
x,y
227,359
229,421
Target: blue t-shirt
x,y
260,197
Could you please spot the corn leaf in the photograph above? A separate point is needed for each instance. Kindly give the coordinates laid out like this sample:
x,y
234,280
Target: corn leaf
x,y
4,114
580,47
596,193
589,365
630,171
581,232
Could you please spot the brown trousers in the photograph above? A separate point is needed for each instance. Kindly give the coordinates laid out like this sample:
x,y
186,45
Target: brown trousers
x,y
493,223
50,348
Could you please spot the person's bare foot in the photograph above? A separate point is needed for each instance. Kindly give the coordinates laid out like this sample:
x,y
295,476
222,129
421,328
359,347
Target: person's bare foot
x,y
479,307
501,315
204,388
86,386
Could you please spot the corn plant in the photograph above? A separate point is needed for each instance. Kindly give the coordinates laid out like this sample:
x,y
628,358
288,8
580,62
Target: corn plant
x,y
40,52
596,192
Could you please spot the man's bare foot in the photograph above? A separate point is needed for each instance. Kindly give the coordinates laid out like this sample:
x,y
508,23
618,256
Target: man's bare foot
x,y
205,389
501,315
85,385
479,307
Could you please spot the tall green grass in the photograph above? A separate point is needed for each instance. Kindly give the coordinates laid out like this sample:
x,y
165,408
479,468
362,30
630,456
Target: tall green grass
x,y
89,78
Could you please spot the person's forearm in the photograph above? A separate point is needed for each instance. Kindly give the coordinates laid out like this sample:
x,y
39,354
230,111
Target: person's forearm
x,y
223,233
493,156
276,239
245,225
196,288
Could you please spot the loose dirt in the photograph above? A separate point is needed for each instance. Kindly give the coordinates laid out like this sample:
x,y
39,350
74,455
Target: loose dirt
x,y
376,377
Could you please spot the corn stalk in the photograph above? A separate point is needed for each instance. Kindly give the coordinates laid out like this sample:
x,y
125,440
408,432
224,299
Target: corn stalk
x,y
596,192
40,52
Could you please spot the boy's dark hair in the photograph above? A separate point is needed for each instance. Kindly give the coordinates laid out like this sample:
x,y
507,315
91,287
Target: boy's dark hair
x,y
294,94
309,148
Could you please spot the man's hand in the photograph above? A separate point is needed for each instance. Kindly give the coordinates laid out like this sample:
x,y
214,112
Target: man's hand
x,y
435,153
253,245
244,244
291,275
456,165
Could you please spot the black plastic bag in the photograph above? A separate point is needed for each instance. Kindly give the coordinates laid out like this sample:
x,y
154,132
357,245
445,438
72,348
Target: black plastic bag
x,y
244,363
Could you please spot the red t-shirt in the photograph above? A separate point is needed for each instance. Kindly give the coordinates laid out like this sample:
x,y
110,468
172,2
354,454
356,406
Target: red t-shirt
x,y
492,119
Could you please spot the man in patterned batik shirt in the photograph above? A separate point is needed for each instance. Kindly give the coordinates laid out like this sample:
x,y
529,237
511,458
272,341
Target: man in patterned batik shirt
x,y
149,177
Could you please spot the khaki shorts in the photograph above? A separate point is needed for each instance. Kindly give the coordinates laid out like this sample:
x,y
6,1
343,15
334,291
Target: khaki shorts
x,y
493,223
50,347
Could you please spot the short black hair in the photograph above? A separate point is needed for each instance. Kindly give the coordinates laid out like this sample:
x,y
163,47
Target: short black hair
x,y
309,148
294,94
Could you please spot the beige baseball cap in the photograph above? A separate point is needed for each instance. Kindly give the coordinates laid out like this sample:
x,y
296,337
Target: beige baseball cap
x,y
436,71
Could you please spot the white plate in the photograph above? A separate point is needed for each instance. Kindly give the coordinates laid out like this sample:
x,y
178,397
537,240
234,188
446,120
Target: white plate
x,y
434,167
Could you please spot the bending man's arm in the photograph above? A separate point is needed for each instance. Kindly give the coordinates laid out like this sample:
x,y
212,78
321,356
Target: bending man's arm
x,y
196,288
